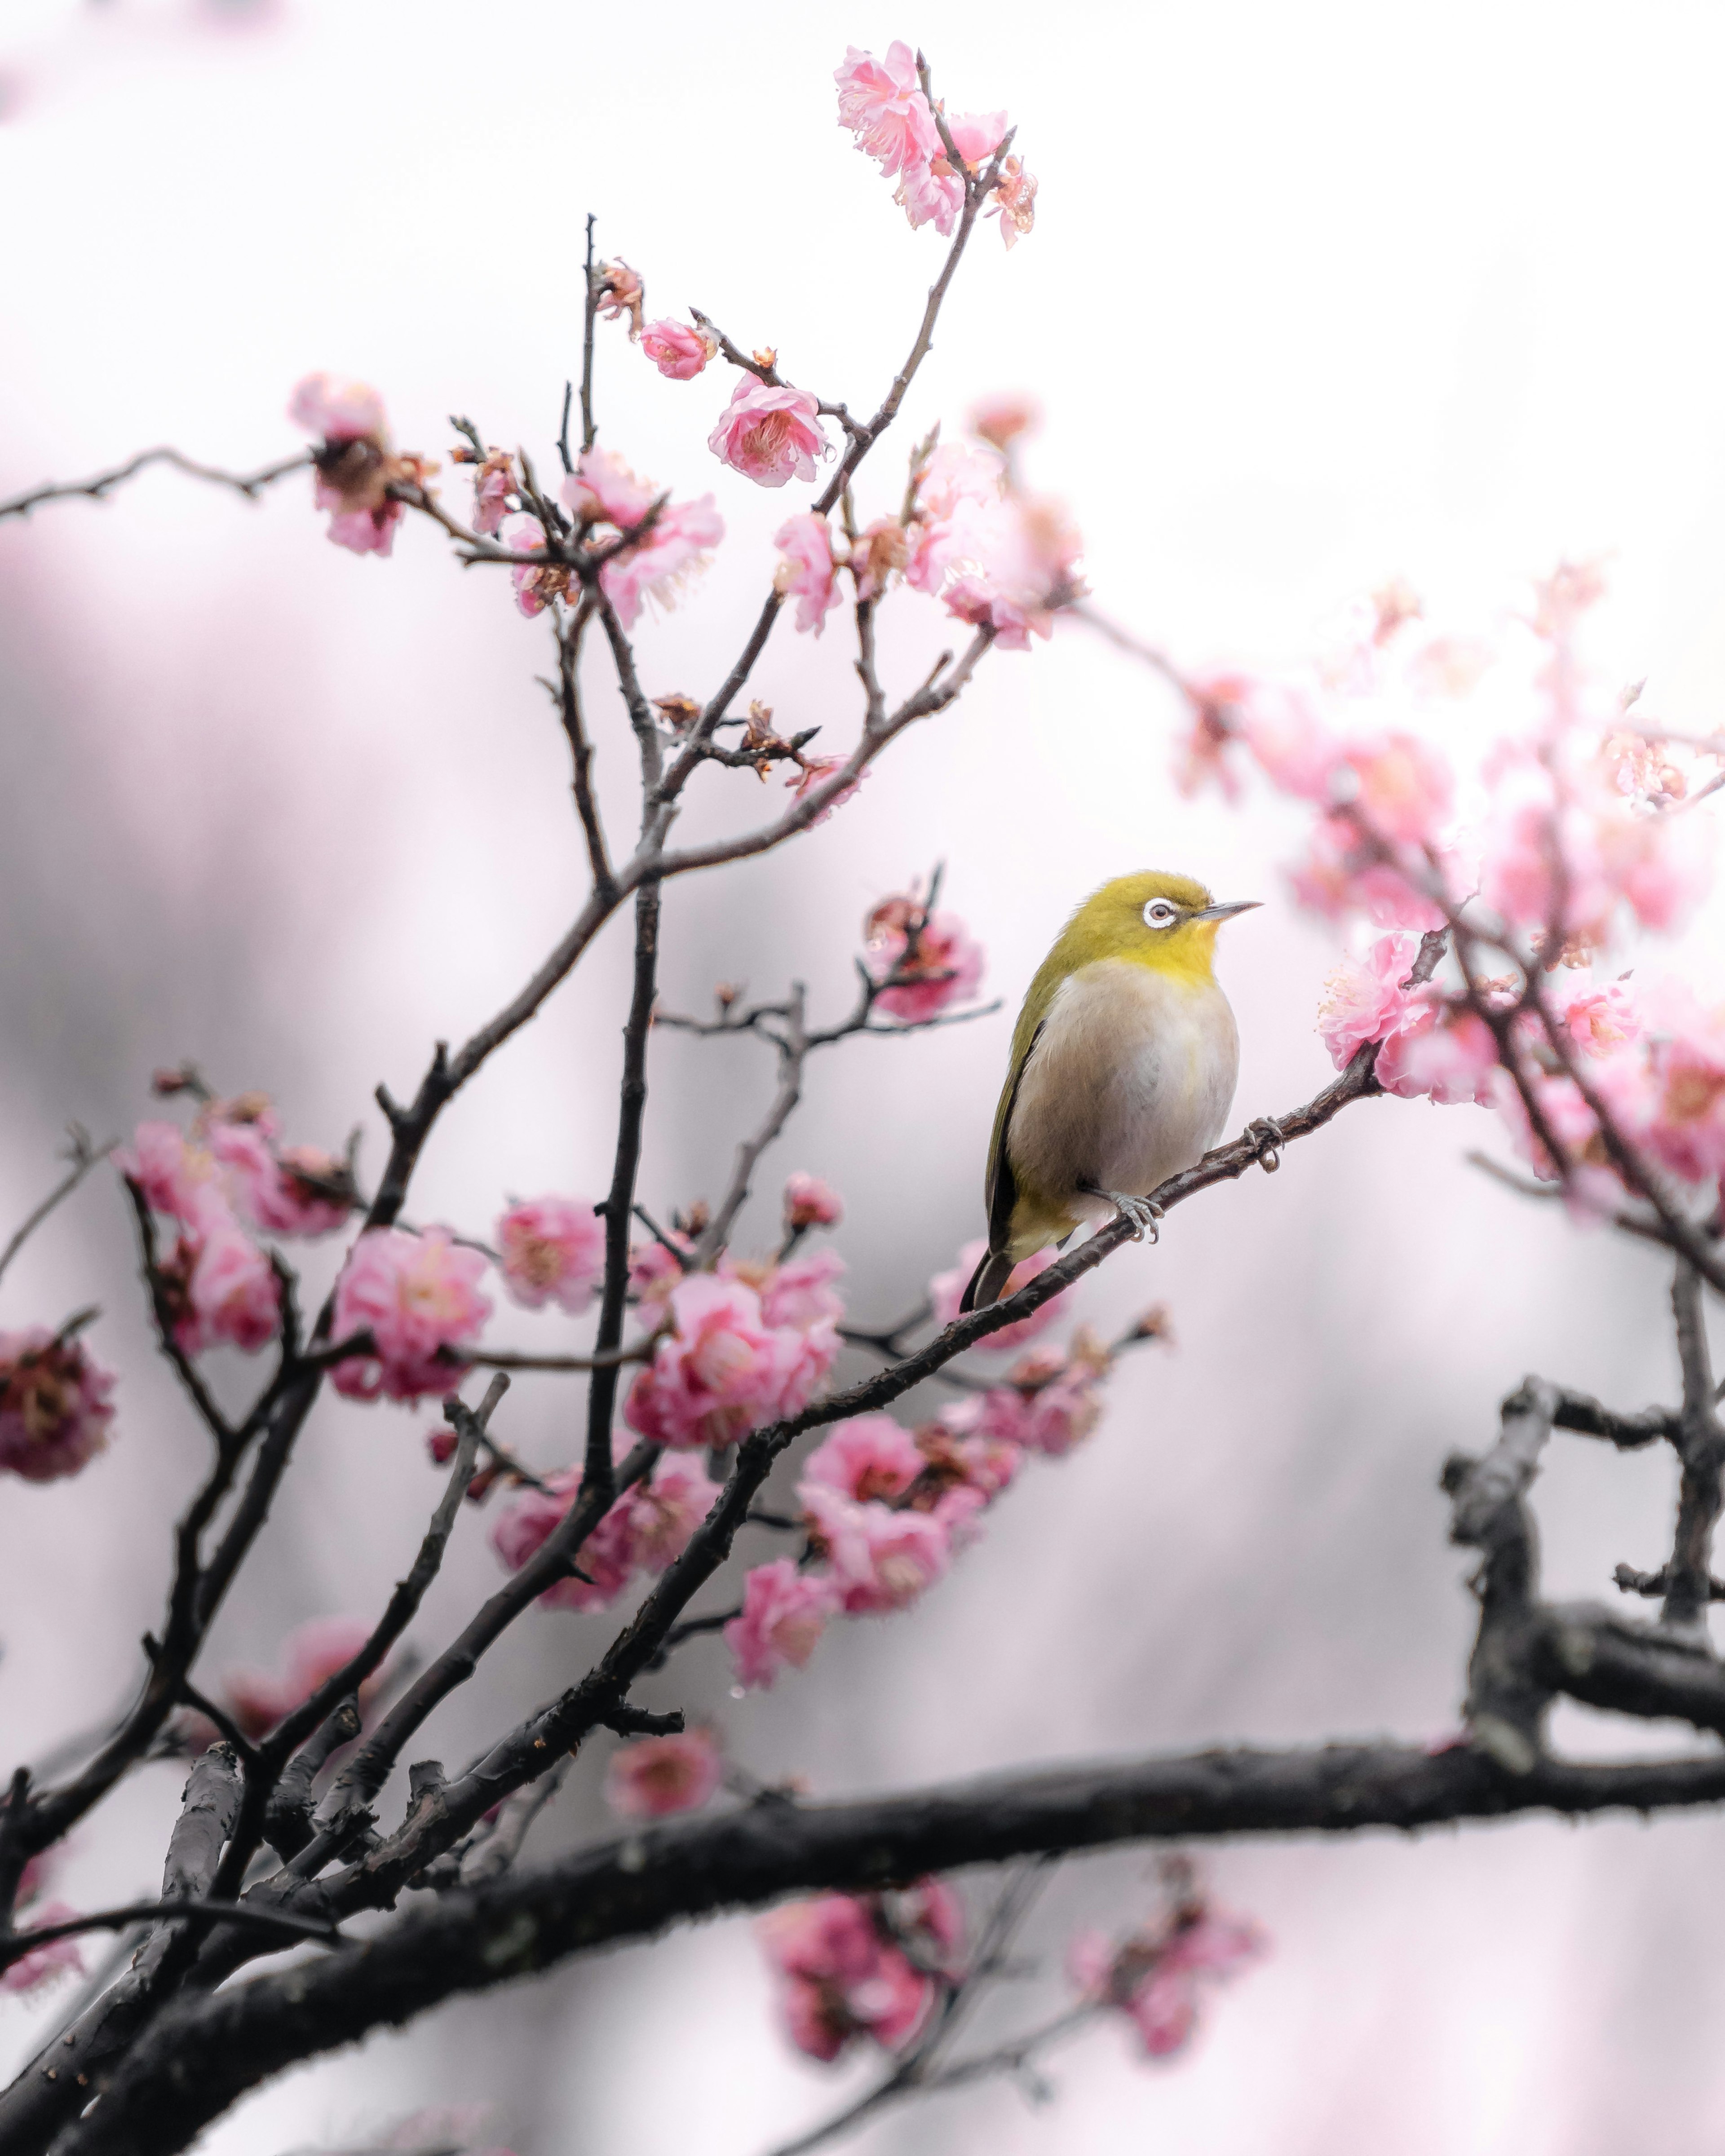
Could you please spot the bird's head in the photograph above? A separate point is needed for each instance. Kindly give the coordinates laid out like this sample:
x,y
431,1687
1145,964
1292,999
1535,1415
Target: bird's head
x,y
1167,923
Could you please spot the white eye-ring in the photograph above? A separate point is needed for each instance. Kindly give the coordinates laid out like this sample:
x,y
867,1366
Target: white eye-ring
x,y
1159,914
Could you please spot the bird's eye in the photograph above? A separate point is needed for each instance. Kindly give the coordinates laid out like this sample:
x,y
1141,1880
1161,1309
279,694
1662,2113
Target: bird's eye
x,y
1159,914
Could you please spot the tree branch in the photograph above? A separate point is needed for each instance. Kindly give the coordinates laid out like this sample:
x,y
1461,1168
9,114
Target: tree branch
x,y
204,2053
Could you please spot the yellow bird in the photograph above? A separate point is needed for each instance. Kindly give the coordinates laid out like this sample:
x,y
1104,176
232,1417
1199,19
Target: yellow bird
x,y
1124,1064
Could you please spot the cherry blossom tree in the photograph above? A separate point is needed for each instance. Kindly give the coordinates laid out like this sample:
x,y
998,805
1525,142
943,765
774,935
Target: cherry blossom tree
x,y
737,1476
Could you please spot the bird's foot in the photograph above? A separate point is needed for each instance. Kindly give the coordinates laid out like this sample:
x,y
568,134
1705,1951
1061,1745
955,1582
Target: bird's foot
x,y
1144,1213
1269,1136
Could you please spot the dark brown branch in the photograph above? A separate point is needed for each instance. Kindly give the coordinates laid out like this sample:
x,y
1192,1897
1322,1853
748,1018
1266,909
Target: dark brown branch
x,y
205,2052
289,1929
1700,1447
251,484
569,640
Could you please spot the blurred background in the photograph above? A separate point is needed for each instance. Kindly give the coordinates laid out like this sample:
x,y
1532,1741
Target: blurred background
x,y
1316,295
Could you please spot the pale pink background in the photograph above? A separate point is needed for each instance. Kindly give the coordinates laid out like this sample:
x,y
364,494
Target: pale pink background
x,y
1316,295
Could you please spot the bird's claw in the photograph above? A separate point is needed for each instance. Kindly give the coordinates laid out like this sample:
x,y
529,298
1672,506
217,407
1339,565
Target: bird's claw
x,y
1144,1213
1268,1138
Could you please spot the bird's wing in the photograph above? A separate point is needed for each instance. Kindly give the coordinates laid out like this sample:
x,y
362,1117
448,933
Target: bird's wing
x,y
1002,1191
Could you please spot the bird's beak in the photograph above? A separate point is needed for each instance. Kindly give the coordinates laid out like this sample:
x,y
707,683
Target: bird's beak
x,y
1227,913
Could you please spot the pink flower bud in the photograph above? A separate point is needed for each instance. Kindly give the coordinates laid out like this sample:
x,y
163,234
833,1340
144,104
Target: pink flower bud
x,y
809,1202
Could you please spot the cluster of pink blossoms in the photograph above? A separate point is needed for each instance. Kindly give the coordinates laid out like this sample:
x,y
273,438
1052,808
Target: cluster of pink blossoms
x,y
1570,835
746,1345
1156,1977
886,1509
354,463
868,1966
59,1957
54,1414
883,104
607,500
647,1528
995,557
227,1182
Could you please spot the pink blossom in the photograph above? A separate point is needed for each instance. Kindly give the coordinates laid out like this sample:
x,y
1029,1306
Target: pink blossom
x,y
1600,1020
976,135
1048,1403
871,1455
493,483
814,771
417,1296
649,1527
677,351
311,1654
535,587
652,1272
722,1373
1155,1979
931,193
962,1451
882,104
231,1297
366,531
1281,724
174,1176
522,1529
664,1510
955,472
1448,1059
553,1251
54,1414
1364,999
930,959
602,489
1341,875
805,572
880,1559
660,1775
946,1291
1685,1129
1403,788
878,554
1001,564
799,1292
335,408
809,1202
840,1974
769,434
659,565
784,1613
43,1963
279,1192
1015,202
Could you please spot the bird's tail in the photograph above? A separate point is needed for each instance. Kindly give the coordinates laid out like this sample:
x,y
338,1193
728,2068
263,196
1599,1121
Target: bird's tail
x,y
986,1282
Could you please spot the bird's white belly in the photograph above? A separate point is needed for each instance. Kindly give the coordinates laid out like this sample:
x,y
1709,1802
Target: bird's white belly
x,y
1130,1081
